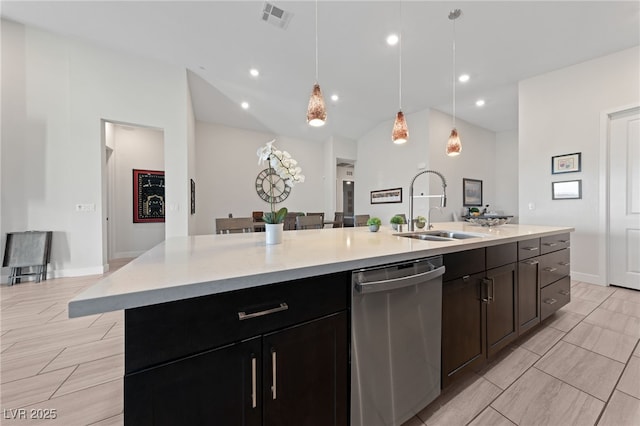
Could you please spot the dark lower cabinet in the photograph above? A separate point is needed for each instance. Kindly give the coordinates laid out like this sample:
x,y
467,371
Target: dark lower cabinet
x,y
296,376
502,307
464,342
528,294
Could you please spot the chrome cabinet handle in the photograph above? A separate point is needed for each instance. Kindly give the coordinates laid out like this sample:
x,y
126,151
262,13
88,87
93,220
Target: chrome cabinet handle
x,y
490,296
254,395
532,262
550,244
564,263
550,269
530,248
550,301
564,241
493,290
242,315
273,372
564,292
484,299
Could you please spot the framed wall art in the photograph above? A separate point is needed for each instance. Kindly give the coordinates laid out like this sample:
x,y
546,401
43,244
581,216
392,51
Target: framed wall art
x,y
566,190
471,192
567,163
386,196
193,197
148,196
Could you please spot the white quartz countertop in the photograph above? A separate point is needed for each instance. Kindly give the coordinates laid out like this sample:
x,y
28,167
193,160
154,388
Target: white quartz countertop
x,y
185,267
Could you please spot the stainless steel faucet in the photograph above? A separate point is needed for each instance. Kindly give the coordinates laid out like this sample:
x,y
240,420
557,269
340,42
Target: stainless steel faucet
x,y
443,197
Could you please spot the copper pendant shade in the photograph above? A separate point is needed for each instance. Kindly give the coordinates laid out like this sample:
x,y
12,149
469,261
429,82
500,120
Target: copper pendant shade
x,y
454,146
400,133
316,113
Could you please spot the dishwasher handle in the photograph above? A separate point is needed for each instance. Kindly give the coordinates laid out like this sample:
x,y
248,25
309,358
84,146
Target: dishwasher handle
x,y
395,283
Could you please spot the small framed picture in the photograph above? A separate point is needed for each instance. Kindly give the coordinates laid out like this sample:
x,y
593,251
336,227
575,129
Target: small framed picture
x,y
386,196
471,192
566,190
193,197
567,163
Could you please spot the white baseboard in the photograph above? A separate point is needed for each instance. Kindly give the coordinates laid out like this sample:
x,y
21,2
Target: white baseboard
x,y
588,278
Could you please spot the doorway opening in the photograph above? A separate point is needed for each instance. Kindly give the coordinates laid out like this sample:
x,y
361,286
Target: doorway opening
x,y
345,190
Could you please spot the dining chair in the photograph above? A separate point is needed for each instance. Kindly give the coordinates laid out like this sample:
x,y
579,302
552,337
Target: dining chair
x,y
309,222
338,220
234,225
361,219
317,214
290,221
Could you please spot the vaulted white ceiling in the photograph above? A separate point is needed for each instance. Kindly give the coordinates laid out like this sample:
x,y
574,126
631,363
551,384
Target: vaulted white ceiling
x,y
498,44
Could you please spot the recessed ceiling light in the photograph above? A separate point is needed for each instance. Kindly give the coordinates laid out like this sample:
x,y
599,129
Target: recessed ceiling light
x,y
392,39
335,97
245,105
480,102
254,72
463,78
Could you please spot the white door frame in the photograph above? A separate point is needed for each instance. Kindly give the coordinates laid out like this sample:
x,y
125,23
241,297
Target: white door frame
x,y
605,220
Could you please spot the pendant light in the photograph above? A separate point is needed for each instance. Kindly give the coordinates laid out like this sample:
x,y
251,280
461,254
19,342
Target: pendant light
x,y
400,133
454,146
316,112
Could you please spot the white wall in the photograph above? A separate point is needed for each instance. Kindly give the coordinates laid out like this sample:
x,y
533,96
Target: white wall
x,y
227,166
560,113
55,92
506,174
134,148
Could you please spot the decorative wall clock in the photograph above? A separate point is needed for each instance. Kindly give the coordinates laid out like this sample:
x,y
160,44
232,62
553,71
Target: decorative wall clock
x,y
271,187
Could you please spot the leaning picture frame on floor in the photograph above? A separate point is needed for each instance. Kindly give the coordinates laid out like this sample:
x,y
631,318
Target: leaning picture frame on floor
x,y
471,192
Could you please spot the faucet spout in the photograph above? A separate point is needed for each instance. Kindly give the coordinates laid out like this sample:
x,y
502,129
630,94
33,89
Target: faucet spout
x,y
443,196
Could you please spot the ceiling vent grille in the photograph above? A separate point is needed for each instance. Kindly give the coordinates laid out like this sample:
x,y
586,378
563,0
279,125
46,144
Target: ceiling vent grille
x,y
276,16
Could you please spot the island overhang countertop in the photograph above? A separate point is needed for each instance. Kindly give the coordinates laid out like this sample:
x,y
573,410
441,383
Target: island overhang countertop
x,y
186,267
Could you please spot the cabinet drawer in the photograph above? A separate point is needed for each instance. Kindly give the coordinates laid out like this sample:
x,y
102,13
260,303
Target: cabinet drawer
x,y
554,266
462,263
555,296
554,243
528,248
165,332
501,255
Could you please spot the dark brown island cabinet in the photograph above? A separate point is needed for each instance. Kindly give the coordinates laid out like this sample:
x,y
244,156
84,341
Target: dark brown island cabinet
x,y
493,295
271,355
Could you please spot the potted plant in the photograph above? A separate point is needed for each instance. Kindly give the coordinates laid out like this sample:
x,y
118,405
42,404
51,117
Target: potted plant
x,y
395,221
374,224
421,221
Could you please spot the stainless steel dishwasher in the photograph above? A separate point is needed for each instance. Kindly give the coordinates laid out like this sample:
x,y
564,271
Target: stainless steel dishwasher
x,y
395,349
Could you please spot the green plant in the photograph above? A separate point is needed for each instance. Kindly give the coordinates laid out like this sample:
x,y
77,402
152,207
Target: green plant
x,y
474,210
397,219
275,217
374,221
421,219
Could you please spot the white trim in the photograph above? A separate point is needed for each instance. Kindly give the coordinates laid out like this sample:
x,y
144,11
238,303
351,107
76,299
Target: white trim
x,y
604,222
589,278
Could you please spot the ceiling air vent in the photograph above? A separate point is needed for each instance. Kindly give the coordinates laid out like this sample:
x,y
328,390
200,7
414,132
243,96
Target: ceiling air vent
x,y
276,16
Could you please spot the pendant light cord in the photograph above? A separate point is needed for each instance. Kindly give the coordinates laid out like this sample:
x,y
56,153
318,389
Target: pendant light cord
x,y
453,79
316,41
400,63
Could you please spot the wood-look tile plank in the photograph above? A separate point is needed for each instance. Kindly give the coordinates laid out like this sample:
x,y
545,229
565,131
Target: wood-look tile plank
x,y
605,342
541,340
462,405
622,410
59,340
93,373
31,390
42,330
563,320
117,331
119,421
86,352
626,294
615,321
18,366
591,292
580,306
511,365
630,380
490,417
537,398
413,421
622,306
592,373
110,318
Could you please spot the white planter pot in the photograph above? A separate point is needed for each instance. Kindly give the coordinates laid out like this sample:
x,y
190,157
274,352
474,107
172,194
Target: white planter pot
x,y
274,232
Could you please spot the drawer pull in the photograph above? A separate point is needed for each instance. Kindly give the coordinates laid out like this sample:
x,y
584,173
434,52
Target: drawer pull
x,y
550,269
564,241
564,263
253,383
273,372
550,244
532,262
564,292
242,315
550,301
530,248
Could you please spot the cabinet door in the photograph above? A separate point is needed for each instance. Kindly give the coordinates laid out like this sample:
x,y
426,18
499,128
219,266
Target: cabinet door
x,y
463,326
221,386
528,294
306,374
502,308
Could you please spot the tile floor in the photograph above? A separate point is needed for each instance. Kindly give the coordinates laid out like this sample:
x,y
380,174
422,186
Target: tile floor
x,y
581,367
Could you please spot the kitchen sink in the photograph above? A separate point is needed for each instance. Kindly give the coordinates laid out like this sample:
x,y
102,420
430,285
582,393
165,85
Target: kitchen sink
x,y
439,235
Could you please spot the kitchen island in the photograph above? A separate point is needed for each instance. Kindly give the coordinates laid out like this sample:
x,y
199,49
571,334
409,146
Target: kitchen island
x,y
212,321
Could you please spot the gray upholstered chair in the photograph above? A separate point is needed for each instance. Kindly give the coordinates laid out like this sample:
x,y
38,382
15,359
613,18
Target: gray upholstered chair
x,y
234,225
361,220
309,222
